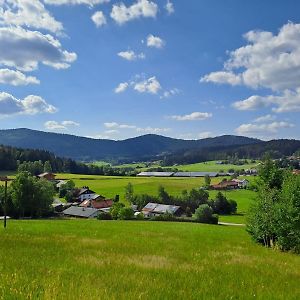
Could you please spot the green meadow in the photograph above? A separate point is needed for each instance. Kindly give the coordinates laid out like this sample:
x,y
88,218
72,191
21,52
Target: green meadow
x,y
109,186
91,259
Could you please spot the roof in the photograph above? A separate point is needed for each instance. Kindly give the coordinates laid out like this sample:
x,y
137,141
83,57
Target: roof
x,y
225,184
45,174
156,174
103,203
160,208
83,212
84,190
60,183
195,174
96,196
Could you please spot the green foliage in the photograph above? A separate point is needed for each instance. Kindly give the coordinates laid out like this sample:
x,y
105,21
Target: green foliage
x,y
30,196
163,196
129,192
47,166
104,216
115,209
274,219
207,180
126,213
166,217
204,214
140,217
65,190
223,206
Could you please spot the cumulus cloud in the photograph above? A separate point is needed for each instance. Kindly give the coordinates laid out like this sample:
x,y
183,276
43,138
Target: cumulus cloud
x,y
150,85
287,101
169,93
169,7
262,129
141,8
24,50
122,87
266,118
267,61
194,116
31,105
29,13
16,78
131,55
64,125
155,41
99,18
76,2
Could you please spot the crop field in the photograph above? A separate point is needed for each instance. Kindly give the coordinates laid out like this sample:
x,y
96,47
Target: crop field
x,y
91,259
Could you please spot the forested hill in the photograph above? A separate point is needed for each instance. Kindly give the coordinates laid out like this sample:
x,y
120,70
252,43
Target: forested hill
x,y
88,149
275,148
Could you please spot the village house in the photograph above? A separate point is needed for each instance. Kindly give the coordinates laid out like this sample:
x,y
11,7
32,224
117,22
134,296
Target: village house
x,y
98,202
47,175
83,194
156,209
242,183
81,212
225,185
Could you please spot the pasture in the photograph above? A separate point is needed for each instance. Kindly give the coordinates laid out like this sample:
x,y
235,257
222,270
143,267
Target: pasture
x,y
90,259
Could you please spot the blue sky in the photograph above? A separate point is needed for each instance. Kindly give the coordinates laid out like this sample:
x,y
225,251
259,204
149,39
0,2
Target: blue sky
x,y
118,69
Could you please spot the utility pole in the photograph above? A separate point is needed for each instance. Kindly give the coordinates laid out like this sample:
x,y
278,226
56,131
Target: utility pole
x,y
5,179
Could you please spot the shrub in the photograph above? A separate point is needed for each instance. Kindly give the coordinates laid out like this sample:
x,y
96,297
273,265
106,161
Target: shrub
x,y
115,209
104,216
126,213
164,217
140,216
204,214
223,206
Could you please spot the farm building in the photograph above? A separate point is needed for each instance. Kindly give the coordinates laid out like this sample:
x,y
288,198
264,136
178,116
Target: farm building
x,y
97,201
195,174
156,209
59,183
83,194
241,182
47,175
155,174
225,185
81,212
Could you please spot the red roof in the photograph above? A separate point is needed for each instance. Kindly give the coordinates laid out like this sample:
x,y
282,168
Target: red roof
x,y
97,204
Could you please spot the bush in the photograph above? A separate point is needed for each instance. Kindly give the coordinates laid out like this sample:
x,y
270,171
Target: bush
x,y
104,216
126,213
223,206
115,209
204,214
140,217
164,217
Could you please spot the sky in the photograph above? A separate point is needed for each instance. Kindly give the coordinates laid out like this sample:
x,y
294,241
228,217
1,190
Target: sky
x,y
119,69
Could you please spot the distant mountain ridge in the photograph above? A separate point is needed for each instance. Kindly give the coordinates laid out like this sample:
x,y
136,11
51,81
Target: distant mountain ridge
x,y
88,149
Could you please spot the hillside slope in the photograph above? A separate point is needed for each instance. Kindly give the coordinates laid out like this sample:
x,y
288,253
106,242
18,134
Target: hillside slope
x,y
82,148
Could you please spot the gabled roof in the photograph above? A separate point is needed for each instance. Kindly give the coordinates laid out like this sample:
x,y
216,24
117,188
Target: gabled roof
x,y
45,174
83,212
156,174
160,208
83,191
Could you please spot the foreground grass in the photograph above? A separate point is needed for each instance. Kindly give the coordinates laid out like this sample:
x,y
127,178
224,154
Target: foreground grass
x,y
77,259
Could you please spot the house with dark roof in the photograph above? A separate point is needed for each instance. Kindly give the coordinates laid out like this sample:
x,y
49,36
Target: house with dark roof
x,y
156,209
81,212
83,194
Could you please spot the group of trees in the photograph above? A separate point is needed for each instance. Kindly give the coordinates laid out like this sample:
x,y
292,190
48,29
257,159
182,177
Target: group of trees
x,y
189,201
274,219
28,197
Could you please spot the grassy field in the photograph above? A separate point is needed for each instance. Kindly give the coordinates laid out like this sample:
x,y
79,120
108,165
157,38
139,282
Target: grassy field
x,y
90,259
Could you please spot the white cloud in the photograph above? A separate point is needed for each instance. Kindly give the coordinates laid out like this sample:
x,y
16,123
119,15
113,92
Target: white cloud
x,y
122,87
153,130
24,50
76,2
267,61
131,55
29,13
150,85
64,125
141,8
262,129
31,105
115,125
169,93
170,7
205,135
16,78
155,41
195,116
266,118
287,101
99,18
